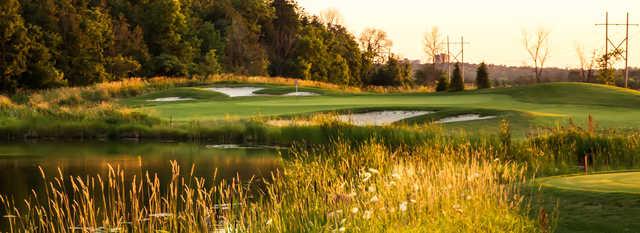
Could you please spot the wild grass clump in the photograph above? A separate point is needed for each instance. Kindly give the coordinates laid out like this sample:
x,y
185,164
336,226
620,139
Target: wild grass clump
x,y
564,148
340,187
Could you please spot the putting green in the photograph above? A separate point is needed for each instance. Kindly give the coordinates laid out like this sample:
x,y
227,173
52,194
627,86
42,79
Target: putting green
x,y
626,182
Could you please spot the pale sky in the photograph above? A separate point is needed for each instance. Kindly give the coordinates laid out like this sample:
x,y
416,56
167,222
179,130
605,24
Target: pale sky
x,y
493,27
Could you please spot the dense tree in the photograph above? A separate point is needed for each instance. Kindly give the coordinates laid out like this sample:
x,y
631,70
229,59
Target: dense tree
x,y
14,44
165,30
457,82
394,73
482,77
282,36
48,43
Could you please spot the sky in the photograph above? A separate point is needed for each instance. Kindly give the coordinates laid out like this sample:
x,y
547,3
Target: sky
x,y
494,28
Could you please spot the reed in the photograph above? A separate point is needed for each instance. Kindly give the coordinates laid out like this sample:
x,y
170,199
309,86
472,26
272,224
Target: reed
x,y
337,187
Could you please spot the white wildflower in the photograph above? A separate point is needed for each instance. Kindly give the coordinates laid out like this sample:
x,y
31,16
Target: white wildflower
x,y
374,171
374,199
269,222
403,206
367,214
458,208
342,229
371,189
354,210
366,176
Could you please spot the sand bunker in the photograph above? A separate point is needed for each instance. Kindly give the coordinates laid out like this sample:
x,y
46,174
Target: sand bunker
x,y
380,117
236,91
463,118
301,93
170,99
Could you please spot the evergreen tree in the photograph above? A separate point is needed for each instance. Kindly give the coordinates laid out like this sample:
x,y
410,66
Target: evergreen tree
x,y
457,83
442,84
482,77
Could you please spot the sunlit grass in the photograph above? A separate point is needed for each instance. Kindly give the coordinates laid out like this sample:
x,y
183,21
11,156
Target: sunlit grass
x,y
343,188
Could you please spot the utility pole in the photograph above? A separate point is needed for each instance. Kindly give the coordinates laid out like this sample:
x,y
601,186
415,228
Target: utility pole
x,y
459,57
448,60
608,42
462,48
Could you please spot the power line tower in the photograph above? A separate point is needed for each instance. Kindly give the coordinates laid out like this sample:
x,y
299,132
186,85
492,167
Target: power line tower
x,y
458,57
608,42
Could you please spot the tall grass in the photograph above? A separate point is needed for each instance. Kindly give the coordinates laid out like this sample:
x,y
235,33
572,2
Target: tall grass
x,y
563,149
340,187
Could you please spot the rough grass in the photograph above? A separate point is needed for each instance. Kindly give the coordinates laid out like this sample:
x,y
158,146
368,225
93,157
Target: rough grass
x,y
368,188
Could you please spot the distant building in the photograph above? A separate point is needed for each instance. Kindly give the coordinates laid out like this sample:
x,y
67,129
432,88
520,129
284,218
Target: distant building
x,y
442,58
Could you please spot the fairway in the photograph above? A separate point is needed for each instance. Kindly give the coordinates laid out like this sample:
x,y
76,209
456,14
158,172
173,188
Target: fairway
x,y
527,107
626,182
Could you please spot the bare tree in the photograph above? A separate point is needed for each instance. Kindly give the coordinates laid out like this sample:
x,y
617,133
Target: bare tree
x,y
433,44
331,16
587,64
538,48
376,44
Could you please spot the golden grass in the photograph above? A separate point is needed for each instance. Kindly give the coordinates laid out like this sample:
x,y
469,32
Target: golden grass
x,y
341,188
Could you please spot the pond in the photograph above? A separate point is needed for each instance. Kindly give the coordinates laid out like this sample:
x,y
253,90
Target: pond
x,y
19,172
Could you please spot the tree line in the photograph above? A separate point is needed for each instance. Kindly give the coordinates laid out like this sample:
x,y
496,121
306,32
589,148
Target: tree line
x,y
51,43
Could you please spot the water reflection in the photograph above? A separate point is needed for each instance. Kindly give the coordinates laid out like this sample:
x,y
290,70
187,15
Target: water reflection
x,y
19,173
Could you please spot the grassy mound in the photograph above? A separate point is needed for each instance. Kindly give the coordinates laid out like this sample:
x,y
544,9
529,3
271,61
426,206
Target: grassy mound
x,y
573,93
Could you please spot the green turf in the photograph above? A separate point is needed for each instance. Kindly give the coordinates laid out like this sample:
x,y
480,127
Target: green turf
x,y
605,202
525,107
198,94
591,212
623,182
287,90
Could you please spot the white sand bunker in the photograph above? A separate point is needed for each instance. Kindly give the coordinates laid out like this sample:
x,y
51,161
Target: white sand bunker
x,y
463,118
170,99
236,91
380,118
301,93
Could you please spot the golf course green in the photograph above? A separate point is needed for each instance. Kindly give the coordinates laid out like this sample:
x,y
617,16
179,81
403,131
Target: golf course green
x,y
624,182
543,105
606,202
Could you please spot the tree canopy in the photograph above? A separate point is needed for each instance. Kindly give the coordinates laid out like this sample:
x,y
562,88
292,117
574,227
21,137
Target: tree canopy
x,y
47,43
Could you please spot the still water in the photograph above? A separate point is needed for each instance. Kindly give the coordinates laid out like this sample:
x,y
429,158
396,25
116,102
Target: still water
x,y
19,172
